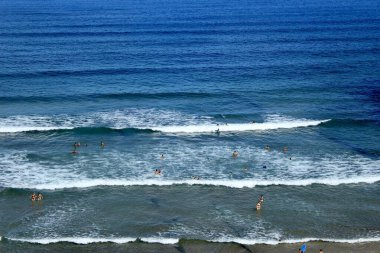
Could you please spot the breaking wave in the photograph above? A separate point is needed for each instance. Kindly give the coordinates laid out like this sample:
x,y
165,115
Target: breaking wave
x,y
248,183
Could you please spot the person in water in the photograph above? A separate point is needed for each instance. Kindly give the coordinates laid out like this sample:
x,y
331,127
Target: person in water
x,y
40,197
235,154
33,197
162,156
157,172
258,206
102,144
261,198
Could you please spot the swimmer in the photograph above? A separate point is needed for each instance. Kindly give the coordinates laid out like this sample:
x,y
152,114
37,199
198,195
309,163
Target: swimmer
x,y
267,148
217,131
74,152
235,154
33,197
261,198
264,167
40,197
258,206
102,144
290,158
157,172
162,156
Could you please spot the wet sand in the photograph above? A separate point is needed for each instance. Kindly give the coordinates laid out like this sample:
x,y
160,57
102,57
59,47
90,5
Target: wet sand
x,y
190,246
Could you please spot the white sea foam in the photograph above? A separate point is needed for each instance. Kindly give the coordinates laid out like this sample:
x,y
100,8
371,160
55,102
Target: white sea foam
x,y
238,127
165,121
246,241
249,183
119,119
17,129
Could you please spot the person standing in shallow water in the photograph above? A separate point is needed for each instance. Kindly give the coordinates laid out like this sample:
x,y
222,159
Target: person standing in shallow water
x,y
102,144
40,198
33,197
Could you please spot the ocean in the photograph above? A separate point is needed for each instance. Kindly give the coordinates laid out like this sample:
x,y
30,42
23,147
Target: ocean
x,y
178,86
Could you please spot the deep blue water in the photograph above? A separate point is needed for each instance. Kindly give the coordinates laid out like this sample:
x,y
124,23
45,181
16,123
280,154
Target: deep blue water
x,y
162,77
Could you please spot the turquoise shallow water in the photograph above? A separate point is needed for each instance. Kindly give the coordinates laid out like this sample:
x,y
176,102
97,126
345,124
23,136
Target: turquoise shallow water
x,y
193,81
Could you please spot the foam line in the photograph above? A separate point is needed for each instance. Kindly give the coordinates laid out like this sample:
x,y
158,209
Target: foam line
x,y
186,128
88,240
249,183
119,240
238,127
17,129
300,240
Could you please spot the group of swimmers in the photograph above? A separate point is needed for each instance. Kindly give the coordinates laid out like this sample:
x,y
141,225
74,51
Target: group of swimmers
x,y
36,197
77,145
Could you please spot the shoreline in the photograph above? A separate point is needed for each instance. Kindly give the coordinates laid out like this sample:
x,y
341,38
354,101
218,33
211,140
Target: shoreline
x,y
188,246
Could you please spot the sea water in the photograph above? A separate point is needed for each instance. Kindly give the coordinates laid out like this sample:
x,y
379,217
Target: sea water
x,y
178,86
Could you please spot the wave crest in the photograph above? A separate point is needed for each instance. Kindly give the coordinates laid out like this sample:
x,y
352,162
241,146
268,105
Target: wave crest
x,y
248,183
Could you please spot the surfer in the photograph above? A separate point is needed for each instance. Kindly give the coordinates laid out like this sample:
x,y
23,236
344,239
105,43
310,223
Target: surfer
x,y
235,154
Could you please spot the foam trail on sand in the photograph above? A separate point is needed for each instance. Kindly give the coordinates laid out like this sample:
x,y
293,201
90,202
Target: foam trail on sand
x,y
249,183
246,241
88,240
